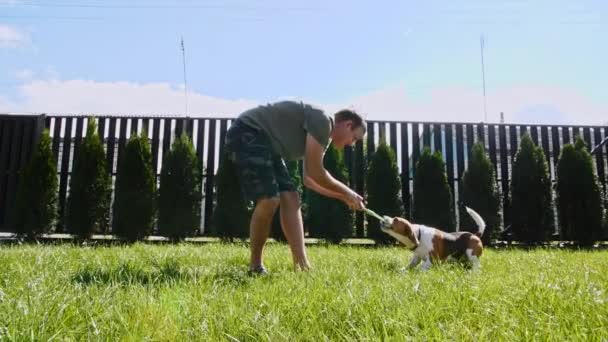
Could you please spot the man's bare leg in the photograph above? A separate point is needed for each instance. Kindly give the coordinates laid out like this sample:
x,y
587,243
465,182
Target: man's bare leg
x,y
259,228
293,228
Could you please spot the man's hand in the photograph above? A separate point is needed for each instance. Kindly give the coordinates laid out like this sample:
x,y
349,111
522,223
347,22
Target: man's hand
x,y
317,178
354,201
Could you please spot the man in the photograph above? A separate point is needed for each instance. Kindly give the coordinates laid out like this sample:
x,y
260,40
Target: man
x,y
260,140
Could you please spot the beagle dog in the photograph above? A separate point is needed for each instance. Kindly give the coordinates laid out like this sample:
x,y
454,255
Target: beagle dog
x,y
432,245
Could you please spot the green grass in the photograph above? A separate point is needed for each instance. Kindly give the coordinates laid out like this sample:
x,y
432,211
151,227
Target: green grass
x,y
202,292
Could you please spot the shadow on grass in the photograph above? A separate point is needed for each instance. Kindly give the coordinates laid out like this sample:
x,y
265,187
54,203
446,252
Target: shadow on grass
x,y
167,272
399,266
233,276
132,274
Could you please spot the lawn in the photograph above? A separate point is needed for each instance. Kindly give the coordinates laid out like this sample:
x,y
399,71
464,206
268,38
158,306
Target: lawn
x,y
202,292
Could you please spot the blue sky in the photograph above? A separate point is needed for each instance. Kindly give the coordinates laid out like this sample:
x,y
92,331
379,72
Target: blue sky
x,y
545,61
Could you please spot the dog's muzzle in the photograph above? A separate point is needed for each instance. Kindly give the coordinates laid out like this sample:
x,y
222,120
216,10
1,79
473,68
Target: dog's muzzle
x,y
386,223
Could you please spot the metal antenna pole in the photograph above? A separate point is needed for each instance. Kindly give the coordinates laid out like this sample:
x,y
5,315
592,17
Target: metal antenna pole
x,y
185,82
483,75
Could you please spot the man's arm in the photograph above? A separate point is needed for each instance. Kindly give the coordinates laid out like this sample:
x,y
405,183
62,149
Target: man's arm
x,y
311,184
314,169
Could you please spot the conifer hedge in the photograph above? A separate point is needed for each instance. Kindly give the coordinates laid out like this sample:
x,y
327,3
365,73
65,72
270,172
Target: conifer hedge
x,y
90,195
579,196
36,202
480,192
433,204
134,209
328,218
232,213
179,195
383,191
531,201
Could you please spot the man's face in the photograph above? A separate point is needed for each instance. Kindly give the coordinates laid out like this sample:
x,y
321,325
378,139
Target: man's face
x,y
345,135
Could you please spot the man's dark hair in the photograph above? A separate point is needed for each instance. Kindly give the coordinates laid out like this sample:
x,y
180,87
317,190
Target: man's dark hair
x,y
347,114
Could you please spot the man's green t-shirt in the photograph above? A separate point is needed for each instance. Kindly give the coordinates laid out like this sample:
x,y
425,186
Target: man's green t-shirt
x,y
287,124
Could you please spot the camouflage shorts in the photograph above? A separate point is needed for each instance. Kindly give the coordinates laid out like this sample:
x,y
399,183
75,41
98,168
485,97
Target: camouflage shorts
x,y
261,171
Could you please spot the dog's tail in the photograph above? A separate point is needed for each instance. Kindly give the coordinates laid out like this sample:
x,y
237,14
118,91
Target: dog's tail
x,y
481,225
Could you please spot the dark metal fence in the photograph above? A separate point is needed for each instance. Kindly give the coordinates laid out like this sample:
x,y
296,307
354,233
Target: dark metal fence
x,y
454,140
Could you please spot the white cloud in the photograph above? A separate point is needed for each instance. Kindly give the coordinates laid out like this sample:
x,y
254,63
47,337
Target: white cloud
x,y
521,104
24,74
11,37
6,105
90,97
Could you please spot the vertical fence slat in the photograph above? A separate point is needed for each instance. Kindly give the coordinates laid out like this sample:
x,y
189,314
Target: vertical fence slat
x,y
359,186
522,130
426,135
470,140
393,141
462,166
437,132
101,127
480,136
200,154
566,135
167,136
190,128
222,137
26,144
133,128
599,156
39,127
405,170
155,145
459,152
57,138
605,154
513,141
122,141
449,158
534,135
371,144
587,137
47,122
200,142
63,179
13,168
210,175
145,126
32,128
78,135
504,172
544,136
576,133
6,127
492,147
555,135
179,127
8,130
111,143
415,147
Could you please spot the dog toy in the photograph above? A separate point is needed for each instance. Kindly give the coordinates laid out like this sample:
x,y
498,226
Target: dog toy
x,y
385,221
